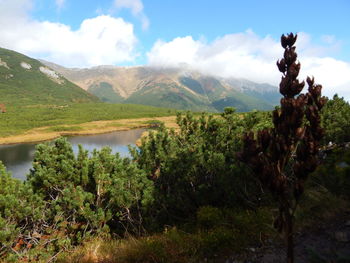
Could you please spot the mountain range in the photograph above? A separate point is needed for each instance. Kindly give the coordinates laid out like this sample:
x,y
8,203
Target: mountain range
x,y
170,87
27,81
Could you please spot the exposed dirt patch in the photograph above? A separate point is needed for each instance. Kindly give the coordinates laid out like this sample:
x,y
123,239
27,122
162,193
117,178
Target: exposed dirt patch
x,y
3,64
26,65
51,74
326,242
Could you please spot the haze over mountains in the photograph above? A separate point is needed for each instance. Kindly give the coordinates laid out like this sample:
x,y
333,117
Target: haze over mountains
x,y
170,87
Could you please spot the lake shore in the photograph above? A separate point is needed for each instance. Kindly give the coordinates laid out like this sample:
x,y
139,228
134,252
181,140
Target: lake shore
x,y
89,128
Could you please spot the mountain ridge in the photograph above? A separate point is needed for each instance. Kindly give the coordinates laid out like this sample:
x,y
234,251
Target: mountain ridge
x,y
170,87
26,81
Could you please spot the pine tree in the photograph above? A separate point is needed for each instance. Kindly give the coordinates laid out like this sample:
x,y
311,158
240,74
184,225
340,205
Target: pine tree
x,y
283,156
335,119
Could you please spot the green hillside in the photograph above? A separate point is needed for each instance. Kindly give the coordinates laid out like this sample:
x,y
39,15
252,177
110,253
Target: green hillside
x,y
218,97
192,84
19,119
241,102
26,81
170,96
203,94
105,92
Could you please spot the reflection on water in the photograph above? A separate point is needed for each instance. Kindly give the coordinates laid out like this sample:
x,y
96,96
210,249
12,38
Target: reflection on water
x,y
18,157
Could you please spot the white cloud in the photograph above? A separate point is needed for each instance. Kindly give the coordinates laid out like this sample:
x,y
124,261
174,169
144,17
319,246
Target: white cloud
x,y
60,4
247,55
14,10
136,7
307,48
334,75
99,40
328,39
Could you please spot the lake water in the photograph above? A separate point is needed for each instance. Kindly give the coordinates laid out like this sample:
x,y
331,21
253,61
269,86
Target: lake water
x,y
18,157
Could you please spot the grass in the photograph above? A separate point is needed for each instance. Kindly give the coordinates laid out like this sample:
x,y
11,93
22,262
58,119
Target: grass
x,y
105,92
213,236
20,119
317,205
231,234
64,128
216,235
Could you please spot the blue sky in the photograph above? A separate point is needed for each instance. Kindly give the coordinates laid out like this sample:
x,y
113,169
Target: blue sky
x,y
211,19
223,37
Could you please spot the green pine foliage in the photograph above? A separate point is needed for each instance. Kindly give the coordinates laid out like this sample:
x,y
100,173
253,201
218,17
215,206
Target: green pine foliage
x,y
196,166
334,173
336,120
20,213
68,198
96,193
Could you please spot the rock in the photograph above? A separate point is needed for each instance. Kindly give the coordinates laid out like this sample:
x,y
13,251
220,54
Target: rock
x,y
26,65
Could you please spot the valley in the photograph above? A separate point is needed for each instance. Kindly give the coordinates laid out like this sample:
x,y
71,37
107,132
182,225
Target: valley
x,y
206,186
44,100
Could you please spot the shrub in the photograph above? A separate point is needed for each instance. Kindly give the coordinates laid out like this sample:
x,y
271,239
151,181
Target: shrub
x,y
196,166
92,194
21,214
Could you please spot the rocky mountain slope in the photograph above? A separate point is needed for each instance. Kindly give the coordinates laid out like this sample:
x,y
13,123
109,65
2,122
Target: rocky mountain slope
x,y
171,87
26,81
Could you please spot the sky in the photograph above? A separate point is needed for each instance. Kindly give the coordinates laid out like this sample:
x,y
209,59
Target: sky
x,y
227,38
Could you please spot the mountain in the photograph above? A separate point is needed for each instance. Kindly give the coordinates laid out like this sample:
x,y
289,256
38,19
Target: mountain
x,y
26,81
170,87
263,91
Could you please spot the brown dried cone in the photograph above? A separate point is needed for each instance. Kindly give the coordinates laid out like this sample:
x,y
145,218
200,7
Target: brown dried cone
x,y
282,157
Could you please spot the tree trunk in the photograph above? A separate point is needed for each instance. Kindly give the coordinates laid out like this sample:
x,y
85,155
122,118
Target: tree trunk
x,y
290,237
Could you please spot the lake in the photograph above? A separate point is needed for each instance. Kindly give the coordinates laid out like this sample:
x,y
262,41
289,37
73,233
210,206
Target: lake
x,y
18,157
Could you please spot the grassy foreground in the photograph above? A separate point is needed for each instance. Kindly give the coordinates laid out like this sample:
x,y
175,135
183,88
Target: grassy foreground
x,y
44,122
216,236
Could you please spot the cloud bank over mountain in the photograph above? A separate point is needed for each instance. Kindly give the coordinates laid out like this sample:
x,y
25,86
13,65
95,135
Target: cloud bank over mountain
x,y
107,39
247,55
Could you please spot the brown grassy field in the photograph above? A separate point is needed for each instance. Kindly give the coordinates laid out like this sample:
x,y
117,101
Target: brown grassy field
x,y
96,127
